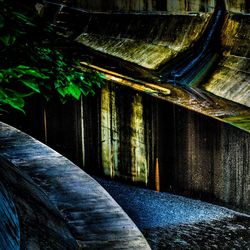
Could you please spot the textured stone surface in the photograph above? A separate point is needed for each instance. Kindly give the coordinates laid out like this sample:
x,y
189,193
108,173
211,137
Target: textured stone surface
x,y
9,224
147,40
147,5
93,218
231,78
197,155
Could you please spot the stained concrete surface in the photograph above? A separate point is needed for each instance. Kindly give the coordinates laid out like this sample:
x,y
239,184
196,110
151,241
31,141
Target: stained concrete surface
x,y
59,206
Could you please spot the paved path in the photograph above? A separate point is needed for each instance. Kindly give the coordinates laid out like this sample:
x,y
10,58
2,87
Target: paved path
x,y
174,222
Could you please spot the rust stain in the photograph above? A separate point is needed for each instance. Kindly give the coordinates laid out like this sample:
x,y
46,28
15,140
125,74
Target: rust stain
x,y
157,175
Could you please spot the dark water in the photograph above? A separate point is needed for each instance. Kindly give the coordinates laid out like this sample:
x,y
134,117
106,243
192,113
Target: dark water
x,y
175,222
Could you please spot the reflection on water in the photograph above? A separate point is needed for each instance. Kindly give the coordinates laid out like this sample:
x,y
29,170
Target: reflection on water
x,y
174,222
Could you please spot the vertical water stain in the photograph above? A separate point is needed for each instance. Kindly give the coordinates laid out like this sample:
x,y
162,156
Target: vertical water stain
x,y
109,133
138,147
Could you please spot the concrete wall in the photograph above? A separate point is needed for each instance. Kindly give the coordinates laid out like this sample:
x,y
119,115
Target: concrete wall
x,y
172,6
123,146
197,155
147,5
121,133
231,80
10,239
238,6
52,204
124,134
147,40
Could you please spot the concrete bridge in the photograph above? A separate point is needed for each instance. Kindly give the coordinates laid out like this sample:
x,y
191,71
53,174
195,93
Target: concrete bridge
x,y
48,202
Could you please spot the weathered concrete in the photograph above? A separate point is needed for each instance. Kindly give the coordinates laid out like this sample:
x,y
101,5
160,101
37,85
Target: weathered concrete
x,y
222,79
44,181
9,224
147,40
40,224
231,78
118,114
146,5
197,155
238,6
126,133
173,6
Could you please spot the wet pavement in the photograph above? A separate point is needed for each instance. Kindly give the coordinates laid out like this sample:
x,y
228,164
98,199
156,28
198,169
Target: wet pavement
x,y
175,222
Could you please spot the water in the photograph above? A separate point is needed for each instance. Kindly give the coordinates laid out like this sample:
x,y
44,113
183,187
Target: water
x,y
175,222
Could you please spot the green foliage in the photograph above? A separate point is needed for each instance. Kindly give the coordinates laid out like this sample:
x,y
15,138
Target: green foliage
x,y
31,63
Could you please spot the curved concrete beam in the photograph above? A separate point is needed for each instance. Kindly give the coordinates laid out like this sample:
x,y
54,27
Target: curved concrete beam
x,y
9,224
93,218
38,221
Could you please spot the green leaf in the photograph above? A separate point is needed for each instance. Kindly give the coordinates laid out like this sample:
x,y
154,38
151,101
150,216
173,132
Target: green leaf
x,y
61,91
71,90
44,68
23,67
32,72
3,94
58,84
84,92
31,84
23,18
7,39
15,102
10,73
74,91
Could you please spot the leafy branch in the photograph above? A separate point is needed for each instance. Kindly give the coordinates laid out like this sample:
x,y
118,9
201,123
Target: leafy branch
x,y
31,63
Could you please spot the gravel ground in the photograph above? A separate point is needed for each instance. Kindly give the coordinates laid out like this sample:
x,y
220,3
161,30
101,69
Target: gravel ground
x,y
175,222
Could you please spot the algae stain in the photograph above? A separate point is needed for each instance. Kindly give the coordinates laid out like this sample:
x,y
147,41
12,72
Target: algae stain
x,y
138,147
230,30
109,133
